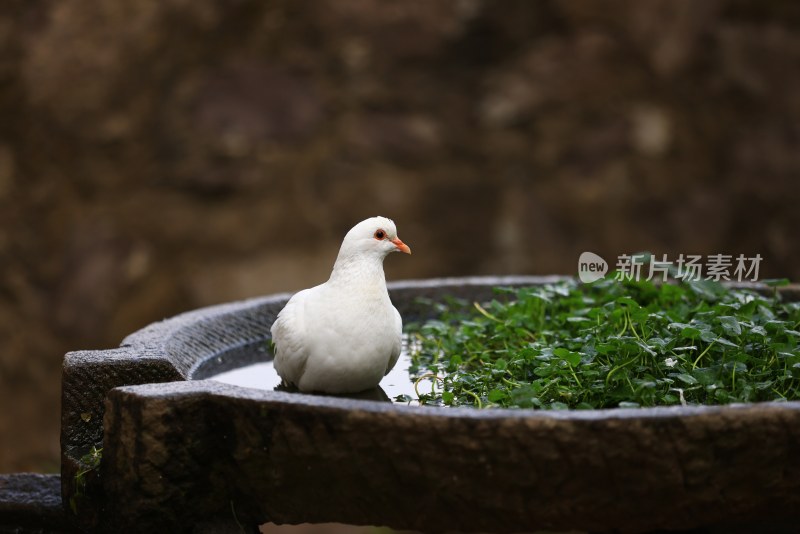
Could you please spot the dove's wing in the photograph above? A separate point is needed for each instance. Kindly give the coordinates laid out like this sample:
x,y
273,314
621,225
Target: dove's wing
x,y
290,334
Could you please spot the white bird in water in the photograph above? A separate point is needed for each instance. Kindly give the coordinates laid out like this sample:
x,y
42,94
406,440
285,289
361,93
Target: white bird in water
x,y
343,336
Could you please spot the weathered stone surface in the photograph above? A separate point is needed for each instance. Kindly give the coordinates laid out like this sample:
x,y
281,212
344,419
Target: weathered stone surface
x,y
162,352
87,377
31,503
183,454
182,451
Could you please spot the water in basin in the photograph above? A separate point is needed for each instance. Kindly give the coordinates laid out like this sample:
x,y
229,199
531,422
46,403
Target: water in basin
x,y
397,386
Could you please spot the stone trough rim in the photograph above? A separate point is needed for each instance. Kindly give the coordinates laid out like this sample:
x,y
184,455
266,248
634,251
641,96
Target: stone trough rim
x,y
213,388
155,339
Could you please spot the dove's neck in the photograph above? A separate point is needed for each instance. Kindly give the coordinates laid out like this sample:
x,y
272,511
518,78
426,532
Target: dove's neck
x,y
361,270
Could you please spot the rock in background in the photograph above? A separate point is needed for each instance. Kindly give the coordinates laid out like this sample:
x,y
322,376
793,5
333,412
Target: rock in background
x,y
157,156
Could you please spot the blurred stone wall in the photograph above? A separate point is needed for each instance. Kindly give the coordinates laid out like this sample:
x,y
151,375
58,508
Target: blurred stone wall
x,y
160,155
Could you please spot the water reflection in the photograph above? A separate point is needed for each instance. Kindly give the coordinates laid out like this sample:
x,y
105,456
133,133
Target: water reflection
x,y
396,387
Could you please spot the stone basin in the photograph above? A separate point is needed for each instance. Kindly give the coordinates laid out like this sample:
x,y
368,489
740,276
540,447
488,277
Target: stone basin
x,y
179,451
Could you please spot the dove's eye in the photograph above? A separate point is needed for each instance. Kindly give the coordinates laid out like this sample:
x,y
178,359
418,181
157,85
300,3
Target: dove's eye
x,y
380,234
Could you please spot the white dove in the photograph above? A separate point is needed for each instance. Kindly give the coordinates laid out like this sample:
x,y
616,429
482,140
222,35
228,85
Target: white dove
x,y
343,336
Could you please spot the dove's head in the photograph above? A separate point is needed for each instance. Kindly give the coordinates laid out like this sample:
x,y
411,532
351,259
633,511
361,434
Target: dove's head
x,y
376,236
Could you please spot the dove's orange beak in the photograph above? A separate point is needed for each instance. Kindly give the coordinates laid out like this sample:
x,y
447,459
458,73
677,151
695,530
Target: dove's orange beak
x,y
402,247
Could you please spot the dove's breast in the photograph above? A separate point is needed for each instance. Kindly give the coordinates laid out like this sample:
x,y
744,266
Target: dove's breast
x,y
348,346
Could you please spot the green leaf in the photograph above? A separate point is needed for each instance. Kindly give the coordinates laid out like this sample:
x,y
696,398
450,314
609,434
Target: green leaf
x,y
628,302
686,378
730,325
496,395
726,342
708,289
690,332
758,330
645,347
572,358
579,320
708,336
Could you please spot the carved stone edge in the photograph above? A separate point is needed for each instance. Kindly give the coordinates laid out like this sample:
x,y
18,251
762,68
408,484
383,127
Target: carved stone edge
x,y
31,502
173,349
190,450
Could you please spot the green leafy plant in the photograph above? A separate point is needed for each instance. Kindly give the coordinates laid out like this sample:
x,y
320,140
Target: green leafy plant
x,y
91,465
610,344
